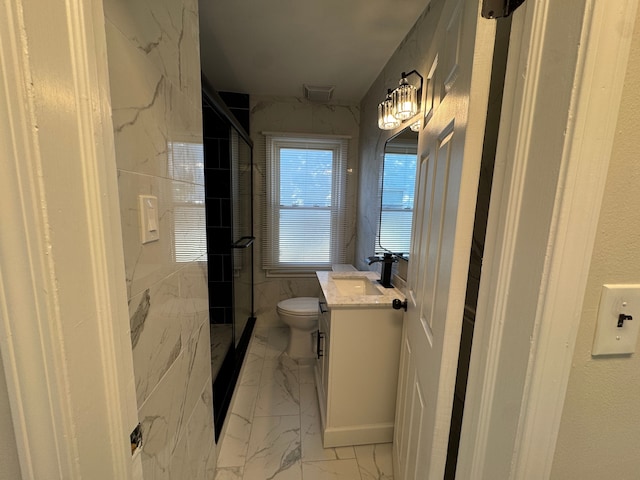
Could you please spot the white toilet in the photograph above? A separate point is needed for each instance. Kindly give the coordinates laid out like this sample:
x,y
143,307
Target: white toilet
x,y
301,315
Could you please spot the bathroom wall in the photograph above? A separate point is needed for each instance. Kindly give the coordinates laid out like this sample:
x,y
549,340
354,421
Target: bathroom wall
x,y
600,428
153,57
296,115
8,450
411,54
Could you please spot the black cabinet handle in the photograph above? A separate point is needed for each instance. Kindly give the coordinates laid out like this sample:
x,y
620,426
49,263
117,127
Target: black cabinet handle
x,y
319,338
323,310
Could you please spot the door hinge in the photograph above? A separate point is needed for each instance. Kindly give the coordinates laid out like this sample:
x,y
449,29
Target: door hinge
x,y
499,8
136,439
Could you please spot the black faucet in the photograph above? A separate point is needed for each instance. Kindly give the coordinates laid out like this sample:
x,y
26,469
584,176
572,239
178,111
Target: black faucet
x,y
387,261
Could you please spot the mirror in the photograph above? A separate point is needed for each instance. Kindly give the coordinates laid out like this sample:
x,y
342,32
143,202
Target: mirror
x,y
398,184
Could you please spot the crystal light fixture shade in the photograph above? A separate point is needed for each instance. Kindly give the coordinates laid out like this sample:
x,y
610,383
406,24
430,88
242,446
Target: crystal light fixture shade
x,y
415,127
386,118
401,104
405,100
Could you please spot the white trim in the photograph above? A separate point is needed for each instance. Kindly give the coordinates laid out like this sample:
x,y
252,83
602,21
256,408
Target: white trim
x,y
535,384
358,435
27,290
64,334
592,122
500,242
309,136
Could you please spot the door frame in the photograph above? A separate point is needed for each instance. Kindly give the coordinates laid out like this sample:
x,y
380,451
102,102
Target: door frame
x,y
53,352
515,398
64,322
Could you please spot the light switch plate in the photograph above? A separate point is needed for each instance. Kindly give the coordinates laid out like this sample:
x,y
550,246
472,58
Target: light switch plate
x,y
149,226
610,339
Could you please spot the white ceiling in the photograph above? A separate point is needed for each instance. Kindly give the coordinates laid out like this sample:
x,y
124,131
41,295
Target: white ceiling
x,y
273,47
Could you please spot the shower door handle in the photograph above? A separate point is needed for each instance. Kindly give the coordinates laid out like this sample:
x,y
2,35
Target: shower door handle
x,y
243,242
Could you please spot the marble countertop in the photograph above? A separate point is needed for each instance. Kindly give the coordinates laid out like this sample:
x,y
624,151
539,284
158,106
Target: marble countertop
x,y
336,299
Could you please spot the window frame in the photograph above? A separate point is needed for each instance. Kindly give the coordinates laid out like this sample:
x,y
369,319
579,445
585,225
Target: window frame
x,y
337,210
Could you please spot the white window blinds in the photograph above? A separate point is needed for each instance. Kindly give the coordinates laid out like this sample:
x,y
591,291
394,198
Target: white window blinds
x,y
305,203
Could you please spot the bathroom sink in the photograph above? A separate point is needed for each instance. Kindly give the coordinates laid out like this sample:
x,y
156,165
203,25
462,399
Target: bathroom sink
x,y
351,286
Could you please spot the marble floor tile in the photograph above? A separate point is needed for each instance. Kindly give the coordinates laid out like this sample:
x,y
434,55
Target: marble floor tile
x,y
276,342
252,369
375,461
307,374
310,430
259,341
345,453
331,470
279,392
274,449
231,473
233,447
274,429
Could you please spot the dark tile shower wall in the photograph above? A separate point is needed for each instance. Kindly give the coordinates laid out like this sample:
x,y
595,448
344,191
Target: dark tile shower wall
x,y
217,174
238,103
217,171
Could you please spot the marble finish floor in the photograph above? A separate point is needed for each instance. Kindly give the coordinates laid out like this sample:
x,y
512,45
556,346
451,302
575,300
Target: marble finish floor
x,y
273,425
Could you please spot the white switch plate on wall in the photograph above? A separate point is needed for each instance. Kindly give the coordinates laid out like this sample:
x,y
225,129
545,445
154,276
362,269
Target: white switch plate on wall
x,y
149,227
610,339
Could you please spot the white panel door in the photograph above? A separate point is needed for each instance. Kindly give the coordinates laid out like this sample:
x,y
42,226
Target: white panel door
x,y
450,149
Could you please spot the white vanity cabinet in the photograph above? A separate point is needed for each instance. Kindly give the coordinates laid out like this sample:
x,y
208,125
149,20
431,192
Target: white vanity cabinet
x,y
323,353
357,372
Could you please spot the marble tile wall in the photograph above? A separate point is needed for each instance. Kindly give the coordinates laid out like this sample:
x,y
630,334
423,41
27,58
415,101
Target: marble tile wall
x,y
411,54
296,115
153,58
8,447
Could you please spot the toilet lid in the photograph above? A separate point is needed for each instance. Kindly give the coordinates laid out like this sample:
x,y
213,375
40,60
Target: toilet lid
x,y
300,305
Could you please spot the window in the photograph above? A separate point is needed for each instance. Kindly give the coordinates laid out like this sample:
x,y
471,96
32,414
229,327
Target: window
x,y
305,203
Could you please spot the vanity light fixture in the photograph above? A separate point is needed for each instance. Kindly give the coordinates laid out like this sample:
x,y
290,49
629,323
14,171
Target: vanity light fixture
x,y
386,119
401,103
415,127
405,97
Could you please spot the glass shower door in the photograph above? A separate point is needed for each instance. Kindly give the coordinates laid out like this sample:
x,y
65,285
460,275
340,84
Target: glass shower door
x,y
241,175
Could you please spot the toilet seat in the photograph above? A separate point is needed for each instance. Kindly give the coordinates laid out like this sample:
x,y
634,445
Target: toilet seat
x,y
300,306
